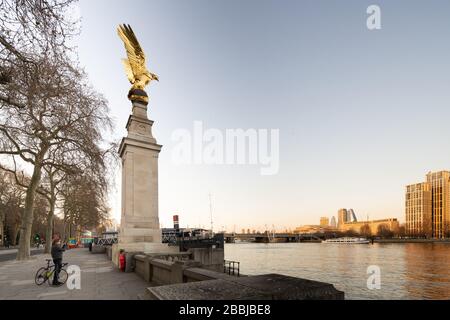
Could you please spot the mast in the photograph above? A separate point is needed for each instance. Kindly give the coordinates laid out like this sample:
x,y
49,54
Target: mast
x,y
211,214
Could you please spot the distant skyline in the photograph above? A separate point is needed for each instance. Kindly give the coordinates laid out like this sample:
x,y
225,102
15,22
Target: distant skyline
x,y
361,114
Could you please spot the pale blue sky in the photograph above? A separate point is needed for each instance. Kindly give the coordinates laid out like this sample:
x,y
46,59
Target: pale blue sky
x,y
361,113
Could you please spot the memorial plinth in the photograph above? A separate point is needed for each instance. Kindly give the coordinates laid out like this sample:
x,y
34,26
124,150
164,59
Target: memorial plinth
x,y
139,151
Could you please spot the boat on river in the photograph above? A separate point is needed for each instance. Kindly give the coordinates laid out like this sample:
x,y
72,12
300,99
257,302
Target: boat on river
x,y
347,240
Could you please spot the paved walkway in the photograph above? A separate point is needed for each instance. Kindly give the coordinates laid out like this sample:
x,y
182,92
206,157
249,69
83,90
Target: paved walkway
x,y
4,251
99,280
11,254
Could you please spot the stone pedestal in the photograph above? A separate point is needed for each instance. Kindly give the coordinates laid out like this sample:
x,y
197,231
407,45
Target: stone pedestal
x,y
139,226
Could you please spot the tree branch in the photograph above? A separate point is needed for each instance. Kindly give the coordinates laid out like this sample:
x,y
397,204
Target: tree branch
x,y
7,100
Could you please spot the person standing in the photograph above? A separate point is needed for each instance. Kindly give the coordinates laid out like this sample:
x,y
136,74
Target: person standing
x,y
57,256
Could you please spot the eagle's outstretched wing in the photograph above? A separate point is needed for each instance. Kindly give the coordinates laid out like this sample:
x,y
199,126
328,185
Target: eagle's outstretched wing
x,y
128,70
135,65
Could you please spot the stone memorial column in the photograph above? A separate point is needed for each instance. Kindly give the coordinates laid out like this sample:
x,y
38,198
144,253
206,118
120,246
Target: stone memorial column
x,y
139,227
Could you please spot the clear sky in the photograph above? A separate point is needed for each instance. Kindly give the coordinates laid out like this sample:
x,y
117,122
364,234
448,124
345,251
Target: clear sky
x,y
361,113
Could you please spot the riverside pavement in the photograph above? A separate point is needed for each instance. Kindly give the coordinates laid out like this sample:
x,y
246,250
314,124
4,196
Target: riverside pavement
x,y
11,254
99,279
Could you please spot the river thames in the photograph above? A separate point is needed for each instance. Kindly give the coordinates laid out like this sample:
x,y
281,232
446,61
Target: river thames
x,y
408,271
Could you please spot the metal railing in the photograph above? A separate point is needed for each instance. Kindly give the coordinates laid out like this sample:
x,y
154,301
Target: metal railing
x,y
106,242
171,238
231,268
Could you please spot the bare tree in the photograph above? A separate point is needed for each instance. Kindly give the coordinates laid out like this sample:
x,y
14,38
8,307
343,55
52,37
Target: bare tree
x,y
53,179
3,204
46,104
446,229
39,220
68,169
401,231
11,204
384,231
350,233
426,230
365,231
34,27
84,203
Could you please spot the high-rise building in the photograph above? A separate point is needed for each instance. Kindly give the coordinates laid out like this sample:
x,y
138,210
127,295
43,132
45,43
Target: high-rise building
x,y
348,218
333,222
324,222
428,206
418,209
351,216
440,202
342,217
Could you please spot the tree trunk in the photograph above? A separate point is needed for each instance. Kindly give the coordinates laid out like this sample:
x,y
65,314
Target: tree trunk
x,y
49,229
1,231
63,236
15,234
28,213
78,234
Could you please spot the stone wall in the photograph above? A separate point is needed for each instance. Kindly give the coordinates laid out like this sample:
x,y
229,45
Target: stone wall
x,y
163,271
179,276
109,252
211,259
98,249
207,258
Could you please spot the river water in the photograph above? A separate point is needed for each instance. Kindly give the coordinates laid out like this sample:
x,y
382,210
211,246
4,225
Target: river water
x,y
408,271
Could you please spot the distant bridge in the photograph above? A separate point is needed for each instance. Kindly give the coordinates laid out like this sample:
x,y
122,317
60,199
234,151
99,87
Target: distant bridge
x,y
269,237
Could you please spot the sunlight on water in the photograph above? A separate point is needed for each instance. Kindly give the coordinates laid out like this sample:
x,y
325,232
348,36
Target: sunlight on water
x,y
408,271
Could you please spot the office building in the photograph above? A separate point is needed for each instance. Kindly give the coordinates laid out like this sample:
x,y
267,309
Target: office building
x,y
429,204
418,210
342,217
440,202
324,222
333,223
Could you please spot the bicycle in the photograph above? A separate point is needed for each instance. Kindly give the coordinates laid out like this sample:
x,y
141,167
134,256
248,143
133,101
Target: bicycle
x,y
45,274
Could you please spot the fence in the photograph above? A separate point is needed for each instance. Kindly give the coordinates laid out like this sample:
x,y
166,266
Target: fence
x,y
231,268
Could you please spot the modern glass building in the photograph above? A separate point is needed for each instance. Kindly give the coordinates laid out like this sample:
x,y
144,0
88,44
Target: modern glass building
x,y
418,210
427,206
440,202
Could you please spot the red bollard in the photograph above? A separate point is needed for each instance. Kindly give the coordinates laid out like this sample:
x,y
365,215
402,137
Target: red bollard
x,y
122,262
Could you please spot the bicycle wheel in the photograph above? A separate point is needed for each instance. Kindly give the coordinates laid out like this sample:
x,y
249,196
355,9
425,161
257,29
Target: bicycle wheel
x,y
41,276
62,278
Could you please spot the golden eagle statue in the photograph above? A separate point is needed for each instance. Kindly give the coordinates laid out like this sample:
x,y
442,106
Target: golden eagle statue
x,y
137,72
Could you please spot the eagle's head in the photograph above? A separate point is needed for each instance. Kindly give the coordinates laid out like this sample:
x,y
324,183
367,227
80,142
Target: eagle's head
x,y
150,77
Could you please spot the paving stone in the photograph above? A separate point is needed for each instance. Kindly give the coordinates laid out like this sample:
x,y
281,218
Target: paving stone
x,y
99,279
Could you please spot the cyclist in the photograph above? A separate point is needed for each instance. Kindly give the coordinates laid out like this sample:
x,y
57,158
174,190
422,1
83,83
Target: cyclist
x,y
57,255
